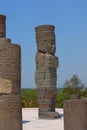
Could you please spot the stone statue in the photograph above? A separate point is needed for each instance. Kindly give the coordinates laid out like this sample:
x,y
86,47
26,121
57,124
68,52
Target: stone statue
x,y
2,26
10,81
46,74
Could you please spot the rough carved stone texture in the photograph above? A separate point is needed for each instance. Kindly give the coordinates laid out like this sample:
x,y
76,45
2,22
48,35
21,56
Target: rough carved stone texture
x,y
10,82
10,112
45,38
46,98
75,115
46,61
50,93
2,25
46,75
5,40
10,69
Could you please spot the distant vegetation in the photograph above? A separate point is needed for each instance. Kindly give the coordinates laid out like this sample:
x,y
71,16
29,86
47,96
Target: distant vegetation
x,y
71,87
29,96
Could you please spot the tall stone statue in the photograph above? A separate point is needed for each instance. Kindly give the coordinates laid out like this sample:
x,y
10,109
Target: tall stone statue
x,y
46,71
10,81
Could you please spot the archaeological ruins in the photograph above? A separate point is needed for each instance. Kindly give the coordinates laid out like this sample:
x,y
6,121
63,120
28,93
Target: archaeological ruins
x,y
10,81
46,71
75,110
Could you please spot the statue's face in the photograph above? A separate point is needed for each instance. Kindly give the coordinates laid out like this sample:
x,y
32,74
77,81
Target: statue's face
x,y
50,46
47,46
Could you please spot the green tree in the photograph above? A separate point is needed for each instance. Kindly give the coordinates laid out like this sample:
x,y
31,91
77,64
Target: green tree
x,y
60,98
74,82
73,87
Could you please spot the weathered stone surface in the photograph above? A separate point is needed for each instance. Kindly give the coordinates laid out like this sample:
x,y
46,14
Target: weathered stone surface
x,y
2,25
10,112
5,40
49,115
44,28
45,77
46,93
40,60
75,115
45,74
45,38
46,99
10,82
46,61
5,97
10,68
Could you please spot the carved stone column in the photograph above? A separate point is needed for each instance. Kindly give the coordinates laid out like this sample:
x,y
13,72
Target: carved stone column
x,y
75,114
10,82
2,25
46,74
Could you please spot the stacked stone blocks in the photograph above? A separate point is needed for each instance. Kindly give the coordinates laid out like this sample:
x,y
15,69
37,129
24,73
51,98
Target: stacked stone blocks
x,y
46,71
10,81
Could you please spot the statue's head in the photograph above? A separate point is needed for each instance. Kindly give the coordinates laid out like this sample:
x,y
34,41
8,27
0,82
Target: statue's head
x,y
45,38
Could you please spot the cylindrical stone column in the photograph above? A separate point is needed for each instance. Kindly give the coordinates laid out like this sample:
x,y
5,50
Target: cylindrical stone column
x,y
10,67
75,114
2,25
46,75
10,84
10,112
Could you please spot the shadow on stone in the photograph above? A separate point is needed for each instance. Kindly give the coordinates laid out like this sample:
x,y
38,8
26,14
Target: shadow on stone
x,y
25,121
61,115
50,115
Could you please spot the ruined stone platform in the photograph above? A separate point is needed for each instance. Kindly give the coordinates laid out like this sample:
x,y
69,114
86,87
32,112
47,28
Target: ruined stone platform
x,y
30,120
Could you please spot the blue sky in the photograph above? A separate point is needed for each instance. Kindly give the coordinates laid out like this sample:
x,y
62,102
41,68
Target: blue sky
x,y
70,20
